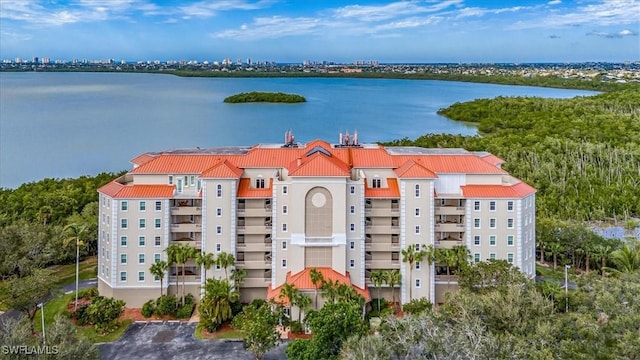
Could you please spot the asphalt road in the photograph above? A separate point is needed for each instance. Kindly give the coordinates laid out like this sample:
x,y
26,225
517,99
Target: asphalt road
x,y
13,314
174,340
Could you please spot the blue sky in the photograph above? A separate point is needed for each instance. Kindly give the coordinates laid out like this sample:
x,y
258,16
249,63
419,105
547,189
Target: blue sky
x,y
342,31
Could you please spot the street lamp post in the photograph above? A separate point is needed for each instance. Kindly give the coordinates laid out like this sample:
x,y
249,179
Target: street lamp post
x,y
75,305
44,336
566,288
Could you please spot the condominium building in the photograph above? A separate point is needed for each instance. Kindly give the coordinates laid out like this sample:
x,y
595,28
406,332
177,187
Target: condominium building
x,y
282,209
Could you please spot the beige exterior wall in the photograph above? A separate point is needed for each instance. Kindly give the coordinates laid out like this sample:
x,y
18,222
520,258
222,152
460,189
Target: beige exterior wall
x,y
494,240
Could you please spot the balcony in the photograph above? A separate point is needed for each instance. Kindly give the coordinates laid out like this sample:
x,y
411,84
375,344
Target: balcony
x,y
186,227
253,229
254,264
381,246
448,244
450,278
381,211
449,227
188,242
382,229
186,210
187,279
254,212
255,246
449,210
255,282
382,264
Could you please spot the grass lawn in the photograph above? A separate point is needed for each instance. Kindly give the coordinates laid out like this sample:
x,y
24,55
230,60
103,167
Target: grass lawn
x,y
66,274
59,304
558,273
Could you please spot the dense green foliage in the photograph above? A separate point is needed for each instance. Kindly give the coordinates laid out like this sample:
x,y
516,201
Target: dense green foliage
x,y
216,305
102,312
582,154
24,293
258,96
258,323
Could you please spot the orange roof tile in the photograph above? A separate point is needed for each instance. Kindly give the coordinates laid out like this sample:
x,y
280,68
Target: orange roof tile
x,y
319,164
516,191
302,281
452,164
492,159
411,169
392,191
372,158
141,159
246,191
223,169
178,164
119,191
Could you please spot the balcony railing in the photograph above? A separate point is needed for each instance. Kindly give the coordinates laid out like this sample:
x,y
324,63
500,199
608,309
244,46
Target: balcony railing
x,y
382,229
253,229
254,264
186,227
449,227
256,282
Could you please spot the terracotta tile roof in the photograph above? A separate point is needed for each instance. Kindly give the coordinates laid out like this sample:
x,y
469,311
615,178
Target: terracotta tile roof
x,y
223,169
319,164
411,169
515,191
451,164
492,159
372,158
141,159
119,191
392,191
246,191
178,164
302,281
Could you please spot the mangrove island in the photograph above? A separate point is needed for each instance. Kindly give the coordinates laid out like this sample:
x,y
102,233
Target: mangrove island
x,y
272,97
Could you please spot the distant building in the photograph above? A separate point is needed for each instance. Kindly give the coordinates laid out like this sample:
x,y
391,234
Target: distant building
x,y
346,209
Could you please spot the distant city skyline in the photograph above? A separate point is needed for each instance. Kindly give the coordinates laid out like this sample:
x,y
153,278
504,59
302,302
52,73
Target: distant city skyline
x,y
340,31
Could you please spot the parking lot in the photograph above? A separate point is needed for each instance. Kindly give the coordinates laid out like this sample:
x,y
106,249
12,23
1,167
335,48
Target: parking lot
x,y
174,340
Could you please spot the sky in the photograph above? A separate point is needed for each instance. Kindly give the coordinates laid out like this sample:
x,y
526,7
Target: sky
x,y
426,31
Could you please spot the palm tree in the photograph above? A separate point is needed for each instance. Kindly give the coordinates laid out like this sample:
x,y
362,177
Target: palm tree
x,y
377,278
189,252
158,269
303,302
555,248
215,306
76,232
602,251
237,276
317,279
330,290
288,292
411,255
627,258
224,260
449,258
393,278
172,256
206,261
462,255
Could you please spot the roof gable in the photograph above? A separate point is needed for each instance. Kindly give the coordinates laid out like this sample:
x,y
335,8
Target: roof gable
x,y
319,164
412,169
223,169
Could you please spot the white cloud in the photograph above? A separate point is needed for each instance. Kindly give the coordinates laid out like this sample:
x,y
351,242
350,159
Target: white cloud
x,y
372,13
273,27
623,33
554,2
477,12
602,13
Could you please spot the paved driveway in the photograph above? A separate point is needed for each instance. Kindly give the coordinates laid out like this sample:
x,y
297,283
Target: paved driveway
x,y
171,340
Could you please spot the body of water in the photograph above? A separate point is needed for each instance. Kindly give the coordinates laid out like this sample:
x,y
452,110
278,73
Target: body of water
x,y
70,124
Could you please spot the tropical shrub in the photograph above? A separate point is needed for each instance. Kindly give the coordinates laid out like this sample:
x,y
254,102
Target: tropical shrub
x,y
166,305
417,306
148,308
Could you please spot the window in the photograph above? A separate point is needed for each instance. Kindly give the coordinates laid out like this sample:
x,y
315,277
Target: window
x,y
142,223
123,276
352,189
142,206
492,240
142,241
123,241
219,212
219,190
352,209
107,254
158,205
284,245
186,181
376,183
156,258
417,283
260,183
510,223
352,263
158,223
418,265
124,206
284,227
510,258
417,212
218,247
285,190
123,223
284,209
417,188
416,247
198,185
352,245
219,230
156,241
492,256
509,205
170,179
218,267
476,206
417,229
476,223
492,206
510,240
492,223
141,276
141,259
476,257
123,259
352,227
284,263
476,240
192,180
